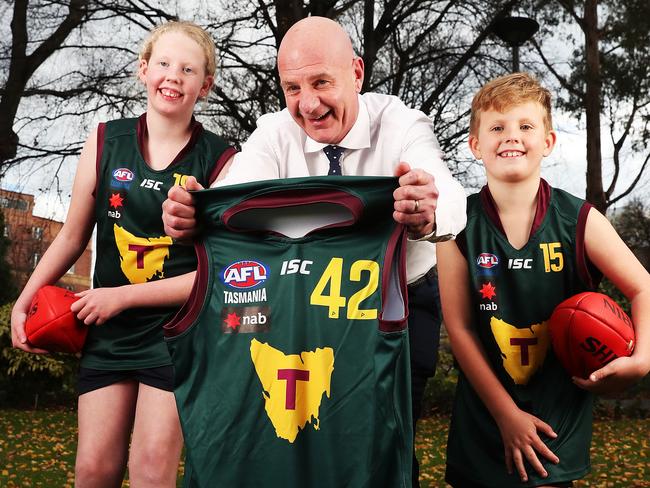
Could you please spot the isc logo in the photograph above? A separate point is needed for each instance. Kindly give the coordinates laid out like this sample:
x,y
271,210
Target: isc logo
x,y
295,266
123,174
487,260
520,263
245,274
147,183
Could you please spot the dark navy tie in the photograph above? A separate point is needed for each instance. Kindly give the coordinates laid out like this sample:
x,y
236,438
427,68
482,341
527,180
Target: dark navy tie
x,y
334,153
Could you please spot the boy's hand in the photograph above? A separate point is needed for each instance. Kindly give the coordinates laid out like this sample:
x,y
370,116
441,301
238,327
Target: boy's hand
x,y
416,200
521,442
178,210
18,336
614,377
99,304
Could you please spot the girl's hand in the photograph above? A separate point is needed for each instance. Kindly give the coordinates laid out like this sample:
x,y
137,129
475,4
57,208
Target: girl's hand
x,y
18,336
521,441
98,305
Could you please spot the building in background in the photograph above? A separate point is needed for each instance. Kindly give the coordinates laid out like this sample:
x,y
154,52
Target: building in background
x,y
30,236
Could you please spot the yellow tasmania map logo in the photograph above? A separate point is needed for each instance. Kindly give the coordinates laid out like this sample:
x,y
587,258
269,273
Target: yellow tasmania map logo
x,y
523,350
141,258
293,385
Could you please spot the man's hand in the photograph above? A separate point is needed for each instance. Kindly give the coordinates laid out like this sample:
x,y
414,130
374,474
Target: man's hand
x,y
416,200
178,210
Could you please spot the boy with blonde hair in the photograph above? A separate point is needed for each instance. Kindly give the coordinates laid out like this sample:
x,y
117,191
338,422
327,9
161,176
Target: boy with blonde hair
x,y
518,418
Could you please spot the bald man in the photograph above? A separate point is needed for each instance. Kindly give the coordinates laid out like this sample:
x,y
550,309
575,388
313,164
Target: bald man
x,y
329,128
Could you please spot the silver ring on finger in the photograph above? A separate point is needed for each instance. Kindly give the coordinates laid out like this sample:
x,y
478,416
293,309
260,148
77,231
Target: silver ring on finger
x,y
417,206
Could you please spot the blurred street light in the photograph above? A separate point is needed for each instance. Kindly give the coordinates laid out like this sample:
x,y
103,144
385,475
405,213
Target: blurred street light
x,y
515,31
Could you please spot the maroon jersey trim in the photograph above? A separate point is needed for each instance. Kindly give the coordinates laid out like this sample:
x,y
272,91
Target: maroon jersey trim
x,y
490,208
292,198
221,162
101,132
543,201
142,131
589,274
395,256
190,310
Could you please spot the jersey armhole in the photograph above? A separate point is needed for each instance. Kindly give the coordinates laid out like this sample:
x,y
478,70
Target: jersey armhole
x,y
221,162
189,312
588,272
101,132
394,295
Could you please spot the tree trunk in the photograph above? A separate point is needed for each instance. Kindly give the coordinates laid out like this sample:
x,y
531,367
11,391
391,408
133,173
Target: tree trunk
x,y
593,92
22,66
369,41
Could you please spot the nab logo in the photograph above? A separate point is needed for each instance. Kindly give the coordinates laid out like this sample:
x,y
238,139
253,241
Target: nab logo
x,y
122,178
487,260
245,274
241,320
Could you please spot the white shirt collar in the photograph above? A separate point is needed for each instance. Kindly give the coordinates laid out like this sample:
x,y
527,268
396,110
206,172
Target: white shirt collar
x,y
357,138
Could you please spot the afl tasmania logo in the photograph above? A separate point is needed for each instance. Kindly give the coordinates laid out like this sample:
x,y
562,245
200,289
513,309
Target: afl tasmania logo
x,y
245,274
122,178
487,260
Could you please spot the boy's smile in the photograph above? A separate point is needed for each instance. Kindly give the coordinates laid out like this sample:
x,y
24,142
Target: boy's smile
x,y
512,143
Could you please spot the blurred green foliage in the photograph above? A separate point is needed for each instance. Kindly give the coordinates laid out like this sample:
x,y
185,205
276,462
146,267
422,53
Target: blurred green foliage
x,y
29,379
8,289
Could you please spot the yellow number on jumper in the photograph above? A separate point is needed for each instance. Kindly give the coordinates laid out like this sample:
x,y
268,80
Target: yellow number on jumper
x,y
354,312
553,257
331,280
332,276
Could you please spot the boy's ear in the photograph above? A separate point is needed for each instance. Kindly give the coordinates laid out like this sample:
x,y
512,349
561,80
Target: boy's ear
x,y
549,141
474,146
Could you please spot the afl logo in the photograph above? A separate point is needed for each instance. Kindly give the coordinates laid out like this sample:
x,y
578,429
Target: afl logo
x,y
122,178
487,260
245,274
124,175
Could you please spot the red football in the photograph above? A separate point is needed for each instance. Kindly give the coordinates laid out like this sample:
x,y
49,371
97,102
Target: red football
x,y
50,323
588,331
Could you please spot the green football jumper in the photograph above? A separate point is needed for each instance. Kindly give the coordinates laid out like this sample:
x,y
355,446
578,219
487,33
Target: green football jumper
x,y
131,243
514,292
291,356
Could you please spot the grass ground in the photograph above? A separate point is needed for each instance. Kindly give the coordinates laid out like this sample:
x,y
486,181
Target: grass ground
x,y
37,449
620,453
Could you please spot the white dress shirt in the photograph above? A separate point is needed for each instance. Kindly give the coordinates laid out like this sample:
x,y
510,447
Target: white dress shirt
x,y
385,133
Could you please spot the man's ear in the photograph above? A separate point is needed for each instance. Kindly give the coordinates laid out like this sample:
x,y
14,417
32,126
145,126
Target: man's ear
x,y
357,68
472,141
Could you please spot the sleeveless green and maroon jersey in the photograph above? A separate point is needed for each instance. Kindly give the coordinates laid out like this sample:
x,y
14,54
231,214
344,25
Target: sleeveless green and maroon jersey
x,y
514,292
291,356
131,243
